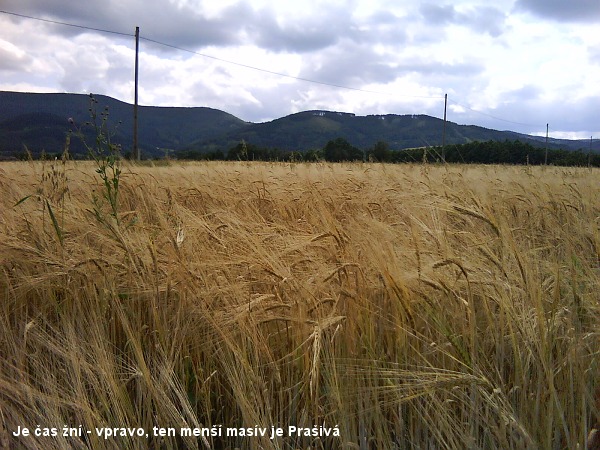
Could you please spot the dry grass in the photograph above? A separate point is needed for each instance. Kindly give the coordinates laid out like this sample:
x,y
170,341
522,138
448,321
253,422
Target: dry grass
x,y
412,306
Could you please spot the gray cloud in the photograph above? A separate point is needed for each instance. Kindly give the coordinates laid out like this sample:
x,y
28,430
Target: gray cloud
x,y
203,94
357,67
383,18
9,61
299,36
382,27
269,106
482,19
487,20
524,94
562,11
349,65
530,114
577,114
594,54
182,26
438,14
187,26
427,67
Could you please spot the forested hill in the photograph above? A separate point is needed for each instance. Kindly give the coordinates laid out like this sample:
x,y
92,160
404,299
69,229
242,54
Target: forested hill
x,y
313,129
40,122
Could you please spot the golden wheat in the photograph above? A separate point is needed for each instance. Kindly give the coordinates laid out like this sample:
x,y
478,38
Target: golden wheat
x,y
409,306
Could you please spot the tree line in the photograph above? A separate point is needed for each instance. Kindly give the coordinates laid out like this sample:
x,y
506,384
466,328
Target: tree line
x,y
338,150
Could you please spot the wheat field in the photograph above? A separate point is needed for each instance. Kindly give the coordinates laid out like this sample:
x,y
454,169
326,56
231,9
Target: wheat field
x,y
403,306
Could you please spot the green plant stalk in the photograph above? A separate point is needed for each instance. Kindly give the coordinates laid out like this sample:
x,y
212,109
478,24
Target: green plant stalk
x,y
55,224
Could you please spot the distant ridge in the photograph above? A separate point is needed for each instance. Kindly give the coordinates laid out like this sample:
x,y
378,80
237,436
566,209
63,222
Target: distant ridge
x,y
40,122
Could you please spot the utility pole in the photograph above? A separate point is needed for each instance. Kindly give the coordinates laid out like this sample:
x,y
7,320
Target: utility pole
x,y
590,152
546,157
444,133
136,149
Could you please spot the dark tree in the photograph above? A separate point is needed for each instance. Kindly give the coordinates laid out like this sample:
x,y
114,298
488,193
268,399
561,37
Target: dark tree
x,y
341,150
381,152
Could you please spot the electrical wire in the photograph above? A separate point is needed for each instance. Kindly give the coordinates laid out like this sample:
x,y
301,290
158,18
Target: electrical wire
x,y
308,80
247,66
492,116
67,24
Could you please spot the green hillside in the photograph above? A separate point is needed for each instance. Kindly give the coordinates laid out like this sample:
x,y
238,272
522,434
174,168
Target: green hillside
x,y
40,122
313,129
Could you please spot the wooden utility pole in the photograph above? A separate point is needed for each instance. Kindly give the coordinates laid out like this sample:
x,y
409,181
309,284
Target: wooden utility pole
x,y
444,133
546,157
590,152
136,149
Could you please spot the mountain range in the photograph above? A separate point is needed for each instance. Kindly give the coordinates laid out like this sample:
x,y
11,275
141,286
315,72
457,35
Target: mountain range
x,y
41,122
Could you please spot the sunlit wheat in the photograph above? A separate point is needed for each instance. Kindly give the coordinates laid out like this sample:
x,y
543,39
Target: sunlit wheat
x,y
410,306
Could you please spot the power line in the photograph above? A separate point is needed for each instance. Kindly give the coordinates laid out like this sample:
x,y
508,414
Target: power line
x,y
66,24
308,80
492,116
247,66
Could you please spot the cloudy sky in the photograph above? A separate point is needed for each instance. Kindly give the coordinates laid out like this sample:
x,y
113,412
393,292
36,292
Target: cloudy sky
x,y
506,64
